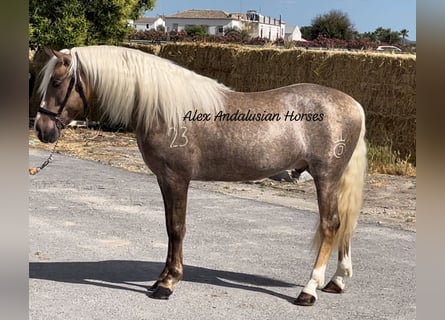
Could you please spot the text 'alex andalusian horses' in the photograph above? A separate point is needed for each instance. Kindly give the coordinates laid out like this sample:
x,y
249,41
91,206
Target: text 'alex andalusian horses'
x,y
190,127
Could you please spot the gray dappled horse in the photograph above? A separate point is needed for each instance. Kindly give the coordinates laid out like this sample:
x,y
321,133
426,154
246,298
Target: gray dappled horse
x,y
190,127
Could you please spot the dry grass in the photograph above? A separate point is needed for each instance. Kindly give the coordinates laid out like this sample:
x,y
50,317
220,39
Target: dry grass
x,y
111,148
387,161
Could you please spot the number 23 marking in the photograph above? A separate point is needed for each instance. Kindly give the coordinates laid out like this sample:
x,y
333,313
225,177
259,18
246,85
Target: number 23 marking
x,y
175,143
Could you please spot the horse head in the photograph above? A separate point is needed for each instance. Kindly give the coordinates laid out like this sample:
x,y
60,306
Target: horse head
x,y
64,95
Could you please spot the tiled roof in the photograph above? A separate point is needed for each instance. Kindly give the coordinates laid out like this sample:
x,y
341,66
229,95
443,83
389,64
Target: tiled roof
x,y
201,14
146,20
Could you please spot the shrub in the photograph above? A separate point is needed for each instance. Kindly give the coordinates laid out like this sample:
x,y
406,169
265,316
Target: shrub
x,y
198,34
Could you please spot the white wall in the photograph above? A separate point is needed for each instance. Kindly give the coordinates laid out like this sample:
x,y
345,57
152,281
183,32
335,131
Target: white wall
x,y
154,25
213,26
295,35
274,31
181,24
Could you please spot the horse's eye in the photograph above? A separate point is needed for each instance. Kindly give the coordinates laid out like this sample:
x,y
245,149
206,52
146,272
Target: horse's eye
x,y
56,83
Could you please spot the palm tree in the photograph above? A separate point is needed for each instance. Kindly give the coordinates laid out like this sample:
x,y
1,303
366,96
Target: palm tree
x,y
404,34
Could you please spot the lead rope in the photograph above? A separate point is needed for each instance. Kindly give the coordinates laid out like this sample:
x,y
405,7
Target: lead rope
x,y
35,170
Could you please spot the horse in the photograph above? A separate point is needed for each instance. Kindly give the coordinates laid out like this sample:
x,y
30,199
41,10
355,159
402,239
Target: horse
x,y
190,127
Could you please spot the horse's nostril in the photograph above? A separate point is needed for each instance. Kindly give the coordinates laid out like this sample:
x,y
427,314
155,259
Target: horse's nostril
x,y
41,136
49,136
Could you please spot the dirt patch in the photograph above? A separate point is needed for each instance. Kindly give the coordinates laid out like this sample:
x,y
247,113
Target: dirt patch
x,y
388,200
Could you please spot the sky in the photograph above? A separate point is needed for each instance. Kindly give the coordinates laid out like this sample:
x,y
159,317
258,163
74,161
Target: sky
x,y
365,15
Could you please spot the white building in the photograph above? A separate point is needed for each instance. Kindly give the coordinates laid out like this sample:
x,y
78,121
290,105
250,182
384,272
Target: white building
x,y
292,33
144,24
216,21
264,26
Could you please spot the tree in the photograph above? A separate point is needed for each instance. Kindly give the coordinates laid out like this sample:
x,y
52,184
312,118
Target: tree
x,y
394,37
386,35
200,31
404,34
140,7
370,36
334,25
57,23
230,30
243,34
62,24
306,32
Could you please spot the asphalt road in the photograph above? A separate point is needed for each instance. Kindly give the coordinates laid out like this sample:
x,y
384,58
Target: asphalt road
x,y
97,240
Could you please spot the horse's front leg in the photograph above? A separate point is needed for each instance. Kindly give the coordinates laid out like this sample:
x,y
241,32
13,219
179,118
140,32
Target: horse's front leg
x,y
174,193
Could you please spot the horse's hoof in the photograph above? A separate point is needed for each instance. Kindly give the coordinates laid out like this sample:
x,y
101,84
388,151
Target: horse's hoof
x,y
305,299
332,287
161,293
154,286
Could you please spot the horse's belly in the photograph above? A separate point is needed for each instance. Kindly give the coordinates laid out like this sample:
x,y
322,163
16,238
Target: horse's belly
x,y
245,163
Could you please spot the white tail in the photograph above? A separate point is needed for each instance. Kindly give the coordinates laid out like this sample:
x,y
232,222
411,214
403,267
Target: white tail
x,y
350,194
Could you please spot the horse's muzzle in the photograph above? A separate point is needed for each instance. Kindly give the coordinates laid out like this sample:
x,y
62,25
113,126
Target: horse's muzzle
x,y
46,129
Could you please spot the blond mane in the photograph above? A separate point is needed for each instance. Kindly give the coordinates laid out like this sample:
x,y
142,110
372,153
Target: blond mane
x,y
129,82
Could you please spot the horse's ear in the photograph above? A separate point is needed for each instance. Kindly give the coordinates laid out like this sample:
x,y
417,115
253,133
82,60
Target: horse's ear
x,y
65,58
49,52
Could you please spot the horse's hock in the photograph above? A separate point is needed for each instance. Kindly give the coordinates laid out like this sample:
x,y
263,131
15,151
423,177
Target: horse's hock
x,y
385,84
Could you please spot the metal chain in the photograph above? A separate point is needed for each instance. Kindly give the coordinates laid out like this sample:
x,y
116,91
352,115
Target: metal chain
x,y
34,171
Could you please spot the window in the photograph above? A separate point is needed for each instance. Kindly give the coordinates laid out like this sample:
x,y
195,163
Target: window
x,y
220,29
175,26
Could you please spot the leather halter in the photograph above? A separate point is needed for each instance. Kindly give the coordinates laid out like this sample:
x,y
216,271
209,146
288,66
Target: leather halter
x,y
79,89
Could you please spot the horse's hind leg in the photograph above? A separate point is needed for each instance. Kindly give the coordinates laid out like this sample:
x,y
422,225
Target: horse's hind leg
x,y
344,270
329,224
174,194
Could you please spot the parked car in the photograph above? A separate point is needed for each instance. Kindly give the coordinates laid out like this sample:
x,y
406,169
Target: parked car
x,y
392,49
